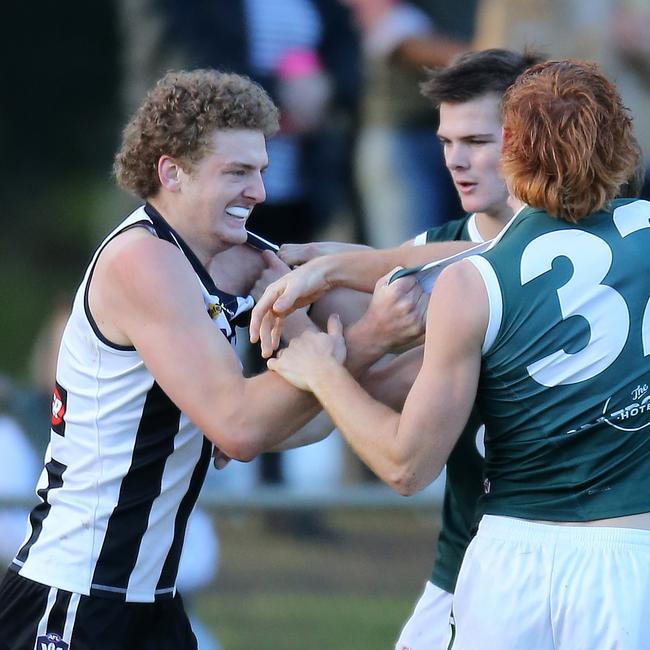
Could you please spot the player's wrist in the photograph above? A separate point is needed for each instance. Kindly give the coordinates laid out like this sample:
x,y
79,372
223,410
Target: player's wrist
x,y
333,269
323,375
365,345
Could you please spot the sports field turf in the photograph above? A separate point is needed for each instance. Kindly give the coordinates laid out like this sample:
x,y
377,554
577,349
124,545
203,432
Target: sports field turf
x,y
348,587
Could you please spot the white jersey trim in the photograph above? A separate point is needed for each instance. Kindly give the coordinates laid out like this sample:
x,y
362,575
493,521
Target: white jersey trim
x,y
473,231
495,300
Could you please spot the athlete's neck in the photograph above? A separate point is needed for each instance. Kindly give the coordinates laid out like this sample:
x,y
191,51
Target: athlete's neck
x,y
489,226
190,230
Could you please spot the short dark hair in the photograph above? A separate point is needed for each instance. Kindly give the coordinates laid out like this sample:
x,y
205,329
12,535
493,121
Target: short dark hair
x,y
177,118
474,74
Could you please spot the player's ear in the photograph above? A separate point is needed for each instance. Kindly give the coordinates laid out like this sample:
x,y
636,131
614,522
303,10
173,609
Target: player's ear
x,y
169,173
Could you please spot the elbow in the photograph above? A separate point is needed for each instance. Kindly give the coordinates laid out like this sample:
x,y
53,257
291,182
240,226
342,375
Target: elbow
x,y
408,480
242,451
405,486
237,443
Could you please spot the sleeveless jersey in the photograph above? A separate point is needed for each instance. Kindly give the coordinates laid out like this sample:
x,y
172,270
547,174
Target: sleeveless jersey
x,y
464,469
124,466
564,383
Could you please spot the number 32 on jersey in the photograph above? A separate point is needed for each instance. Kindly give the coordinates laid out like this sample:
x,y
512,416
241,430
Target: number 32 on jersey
x,y
584,295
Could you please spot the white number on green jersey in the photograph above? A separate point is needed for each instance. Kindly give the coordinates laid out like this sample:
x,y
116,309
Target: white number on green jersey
x,y
584,295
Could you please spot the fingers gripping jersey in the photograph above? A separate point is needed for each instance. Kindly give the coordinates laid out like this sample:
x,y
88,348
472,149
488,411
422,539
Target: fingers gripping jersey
x,y
124,466
564,387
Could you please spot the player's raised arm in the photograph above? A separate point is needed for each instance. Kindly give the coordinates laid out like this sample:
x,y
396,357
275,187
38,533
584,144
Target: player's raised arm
x,y
357,270
297,254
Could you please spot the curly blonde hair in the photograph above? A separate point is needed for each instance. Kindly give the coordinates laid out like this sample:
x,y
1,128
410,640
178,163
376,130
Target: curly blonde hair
x,y
569,145
177,118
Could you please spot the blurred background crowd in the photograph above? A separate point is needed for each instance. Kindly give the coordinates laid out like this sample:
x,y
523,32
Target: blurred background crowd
x,y
357,157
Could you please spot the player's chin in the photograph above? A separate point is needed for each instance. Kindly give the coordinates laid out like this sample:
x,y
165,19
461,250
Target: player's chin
x,y
472,203
236,235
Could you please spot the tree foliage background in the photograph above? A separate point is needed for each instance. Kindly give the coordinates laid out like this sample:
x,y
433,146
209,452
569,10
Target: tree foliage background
x,y
59,125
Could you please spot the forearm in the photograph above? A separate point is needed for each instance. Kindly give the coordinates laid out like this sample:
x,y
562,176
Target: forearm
x,y
315,430
349,304
264,411
368,426
362,269
391,382
364,348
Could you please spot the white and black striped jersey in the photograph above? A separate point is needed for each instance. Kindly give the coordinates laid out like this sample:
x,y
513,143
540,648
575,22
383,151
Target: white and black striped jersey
x,y
124,466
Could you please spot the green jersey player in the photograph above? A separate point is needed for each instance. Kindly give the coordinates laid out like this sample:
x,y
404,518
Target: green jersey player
x,y
549,332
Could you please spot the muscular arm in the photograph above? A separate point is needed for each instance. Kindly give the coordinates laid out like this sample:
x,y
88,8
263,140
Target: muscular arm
x,y
143,293
361,269
314,431
236,269
390,382
358,270
406,451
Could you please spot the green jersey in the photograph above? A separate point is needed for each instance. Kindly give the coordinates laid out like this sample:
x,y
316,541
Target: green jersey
x,y
565,376
464,473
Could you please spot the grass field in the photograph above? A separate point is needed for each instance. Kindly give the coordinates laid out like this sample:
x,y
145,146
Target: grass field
x,y
348,588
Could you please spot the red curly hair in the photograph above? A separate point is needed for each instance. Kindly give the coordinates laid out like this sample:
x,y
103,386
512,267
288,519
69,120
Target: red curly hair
x,y
568,140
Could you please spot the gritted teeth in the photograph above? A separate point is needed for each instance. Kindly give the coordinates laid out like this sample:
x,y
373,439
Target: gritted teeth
x,y
238,211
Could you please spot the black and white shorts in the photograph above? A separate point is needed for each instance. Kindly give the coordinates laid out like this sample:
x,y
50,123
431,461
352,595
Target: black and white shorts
x,y
37,617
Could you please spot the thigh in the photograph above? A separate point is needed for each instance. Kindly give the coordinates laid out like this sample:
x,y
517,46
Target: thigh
x,y
502,596
428,627
601,592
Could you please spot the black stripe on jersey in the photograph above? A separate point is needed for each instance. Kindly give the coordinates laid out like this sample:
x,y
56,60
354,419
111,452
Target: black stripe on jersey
x,y
54,480
170,568
140,487
58,613
166,232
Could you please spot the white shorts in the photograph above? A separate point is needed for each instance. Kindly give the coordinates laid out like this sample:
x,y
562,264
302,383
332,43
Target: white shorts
x,y
428,628
543,586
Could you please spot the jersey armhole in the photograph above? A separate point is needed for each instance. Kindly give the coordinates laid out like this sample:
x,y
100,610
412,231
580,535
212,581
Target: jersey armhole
x,y
495,300
91,320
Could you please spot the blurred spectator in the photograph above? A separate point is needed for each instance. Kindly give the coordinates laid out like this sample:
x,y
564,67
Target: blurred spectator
x,y
615,33
198,569
19,468
404,185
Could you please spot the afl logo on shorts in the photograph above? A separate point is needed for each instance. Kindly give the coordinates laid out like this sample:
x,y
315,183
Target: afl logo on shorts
x,y
59,402
51,642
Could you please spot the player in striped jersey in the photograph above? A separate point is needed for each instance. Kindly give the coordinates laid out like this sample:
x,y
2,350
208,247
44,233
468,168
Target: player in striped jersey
x,y
548,331
148,380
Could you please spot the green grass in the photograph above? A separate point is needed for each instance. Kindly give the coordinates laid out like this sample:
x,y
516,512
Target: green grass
x,y
349,589
270,621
